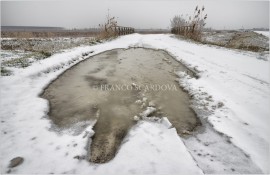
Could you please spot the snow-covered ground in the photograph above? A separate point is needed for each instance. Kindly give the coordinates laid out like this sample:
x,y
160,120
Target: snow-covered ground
x,y
233,89
244,40
45,44
265,33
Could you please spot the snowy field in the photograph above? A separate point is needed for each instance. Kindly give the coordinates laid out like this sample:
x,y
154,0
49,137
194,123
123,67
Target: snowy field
x,y
265,33
257,41
231,95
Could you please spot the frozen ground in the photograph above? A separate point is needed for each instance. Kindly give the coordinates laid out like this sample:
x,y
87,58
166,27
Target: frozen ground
x,y
231,96
265,33
244,40
22,52
45,44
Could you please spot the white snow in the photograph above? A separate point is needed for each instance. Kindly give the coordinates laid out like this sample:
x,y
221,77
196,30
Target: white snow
x,y
151,148
7,55
147,112
236,78
265,33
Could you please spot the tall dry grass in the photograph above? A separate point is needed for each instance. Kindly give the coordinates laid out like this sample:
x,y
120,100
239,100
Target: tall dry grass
x,y
107,30
194,23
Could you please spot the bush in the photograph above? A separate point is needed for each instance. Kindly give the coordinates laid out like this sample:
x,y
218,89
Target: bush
x,y
178,21
194,23
107,30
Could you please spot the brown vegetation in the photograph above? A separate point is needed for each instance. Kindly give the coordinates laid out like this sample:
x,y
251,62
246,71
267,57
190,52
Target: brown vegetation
x,y
191,27
244,40
107,29
46,34
110,28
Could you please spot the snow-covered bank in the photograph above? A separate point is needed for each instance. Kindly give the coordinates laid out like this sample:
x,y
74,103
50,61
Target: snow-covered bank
x,y
237,81
26,131
265,33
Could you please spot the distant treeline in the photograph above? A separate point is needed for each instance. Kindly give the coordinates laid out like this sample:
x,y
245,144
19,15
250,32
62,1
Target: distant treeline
x,y
152,31
43,29
24,34
33,32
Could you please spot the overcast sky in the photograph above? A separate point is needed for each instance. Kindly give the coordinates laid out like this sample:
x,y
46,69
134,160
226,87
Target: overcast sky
x,y
229,14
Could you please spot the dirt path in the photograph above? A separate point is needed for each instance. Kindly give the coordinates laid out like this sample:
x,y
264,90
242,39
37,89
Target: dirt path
x,y
112,88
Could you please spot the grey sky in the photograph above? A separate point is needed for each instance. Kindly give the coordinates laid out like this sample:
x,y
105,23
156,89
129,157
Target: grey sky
x,y
134,13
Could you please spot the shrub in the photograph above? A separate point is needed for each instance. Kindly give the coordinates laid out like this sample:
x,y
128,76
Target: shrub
x,y
178,21
107,30
194,23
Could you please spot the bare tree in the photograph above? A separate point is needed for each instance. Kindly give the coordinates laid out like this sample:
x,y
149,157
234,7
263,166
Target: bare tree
x,y
195,23
178,21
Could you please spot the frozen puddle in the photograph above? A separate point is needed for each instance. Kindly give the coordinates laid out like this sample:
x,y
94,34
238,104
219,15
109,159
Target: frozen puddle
x,y
116,88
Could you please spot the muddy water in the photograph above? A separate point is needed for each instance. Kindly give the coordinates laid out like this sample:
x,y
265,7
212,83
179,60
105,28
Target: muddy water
x,y
112,88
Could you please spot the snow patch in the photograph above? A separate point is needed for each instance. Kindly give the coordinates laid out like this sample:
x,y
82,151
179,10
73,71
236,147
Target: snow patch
x,y
236,78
